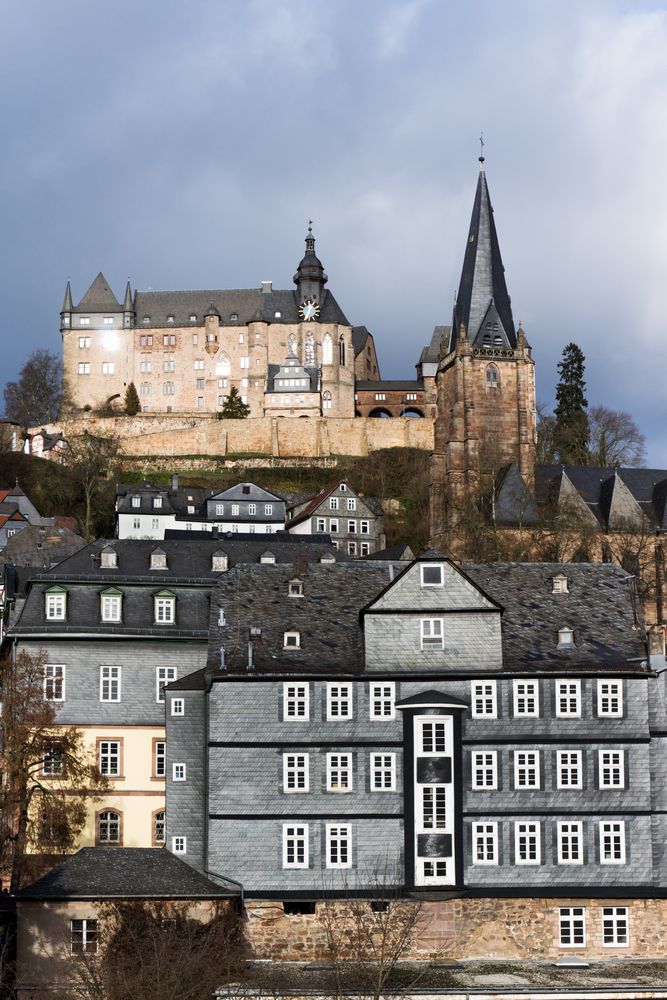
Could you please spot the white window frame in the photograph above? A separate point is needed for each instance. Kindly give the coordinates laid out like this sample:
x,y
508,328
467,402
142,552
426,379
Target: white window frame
x,y
297,836
484,699
160,758
165,610
163,676
568,699
296,695
351,503
382,696
528,768
339,702
54,679
433,807
425,567
338,840
485,843
610,699
179,845
178,707
55,606
110,676
111,607
611,766
434,729
570,839
484,765
432,633
178,772
383,766
339,765
105,752
526,699
292,640
531,833
615,926
569,763
296,773
572,926
614,830
333,503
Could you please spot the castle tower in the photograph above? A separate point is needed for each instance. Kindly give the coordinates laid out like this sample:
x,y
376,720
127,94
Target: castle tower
x,y
485,385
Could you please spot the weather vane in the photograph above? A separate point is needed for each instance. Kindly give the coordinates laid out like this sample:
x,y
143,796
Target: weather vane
x,y
481,147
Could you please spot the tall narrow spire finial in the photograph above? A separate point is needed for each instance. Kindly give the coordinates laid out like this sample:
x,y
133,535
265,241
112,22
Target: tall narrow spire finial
x,y
481,149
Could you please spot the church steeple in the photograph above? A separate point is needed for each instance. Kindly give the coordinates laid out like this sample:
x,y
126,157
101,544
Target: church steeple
x,y
482,304
310,278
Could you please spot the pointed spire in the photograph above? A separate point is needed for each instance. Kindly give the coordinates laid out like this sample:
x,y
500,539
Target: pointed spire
x,y
127,304
482,302
67,302
310,278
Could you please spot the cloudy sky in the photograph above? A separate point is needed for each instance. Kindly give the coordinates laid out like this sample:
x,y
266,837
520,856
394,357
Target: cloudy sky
x,y
185,145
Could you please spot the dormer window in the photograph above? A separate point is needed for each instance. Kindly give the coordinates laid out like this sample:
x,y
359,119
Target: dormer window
x,y
432,575
158,559
219,562
292,640
111,603
55,604
559,584
136,501
267,557
191,509
108,558
170,319
165,608
295,588
193,318
157,502
234,316
328,557
146,320
343,487
565,637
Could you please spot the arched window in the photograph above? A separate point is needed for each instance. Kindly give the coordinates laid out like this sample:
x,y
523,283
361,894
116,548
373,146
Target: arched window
x,y
492,377
223,366
327,350
341,351
158,828
108,827
326,400
310,350
291,344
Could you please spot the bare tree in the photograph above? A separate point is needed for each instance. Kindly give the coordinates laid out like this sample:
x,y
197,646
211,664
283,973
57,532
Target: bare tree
x,y
615,439
545,449
48,776
40,393
90,459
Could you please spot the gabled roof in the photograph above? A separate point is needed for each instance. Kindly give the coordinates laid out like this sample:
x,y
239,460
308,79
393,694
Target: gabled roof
x,y
314,503
614,498
248,304
246,491
99,298
125,873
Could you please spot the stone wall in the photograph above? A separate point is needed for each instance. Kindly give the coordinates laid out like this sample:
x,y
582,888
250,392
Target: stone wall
x,y
484,928
173,435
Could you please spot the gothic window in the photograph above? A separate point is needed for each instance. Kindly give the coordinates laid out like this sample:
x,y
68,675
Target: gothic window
x,y
223,366
341,351
327,350
310,350
326,400
492,377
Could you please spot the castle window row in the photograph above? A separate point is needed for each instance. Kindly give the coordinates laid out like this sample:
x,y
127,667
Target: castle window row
x,y
353,527
54,683
567,697
111,601
571,843
339,701
569,770
338,772
615,926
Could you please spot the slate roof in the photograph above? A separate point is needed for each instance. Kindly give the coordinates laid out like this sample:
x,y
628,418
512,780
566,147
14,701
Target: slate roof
x,y
398,552
98,298
248,304
40,548
390,385
174,501
359,337
315,502
125,873
608,492
431,353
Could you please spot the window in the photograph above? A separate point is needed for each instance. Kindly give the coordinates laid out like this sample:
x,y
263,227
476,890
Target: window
x,y
433,739
165,608
292,640
145,389
484,699
295,702
381,699
559,584
84,321
526,698
295,772
351,527
432,575
108,368
108,828
433,807
295,588
169,365
295,845
526,769
268,509
163,676
178,707
159,759
54,759
333,503
235,510
55,606
193,319
54,682
109,757
615,926
108,321
145,366
612,843
321,524
109,683
572,926
352,548
434,871
108,558
178,772
570,843
568,769
380,396
158,559
199,364
383,772
83,368
351,503
610,698
83,937
167,388
364,527
159,828
219,509
339,772
432,633
527,843
611,769
327,401
339,701
179,845
339,846
565,637
84,342
484,770
111,607
568,699
333,526
136,501
485,843
492,379
364,548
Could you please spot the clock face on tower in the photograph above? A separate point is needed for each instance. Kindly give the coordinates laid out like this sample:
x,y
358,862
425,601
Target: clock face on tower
x,y
309,309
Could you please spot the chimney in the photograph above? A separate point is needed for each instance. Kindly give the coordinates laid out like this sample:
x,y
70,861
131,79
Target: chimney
x,y
267,286
174,481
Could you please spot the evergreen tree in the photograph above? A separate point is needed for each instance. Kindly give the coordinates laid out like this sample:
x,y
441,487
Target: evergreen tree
x,y
234,408
132,404
571,433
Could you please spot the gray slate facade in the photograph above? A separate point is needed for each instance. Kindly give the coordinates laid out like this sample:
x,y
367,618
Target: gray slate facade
x,y
354,522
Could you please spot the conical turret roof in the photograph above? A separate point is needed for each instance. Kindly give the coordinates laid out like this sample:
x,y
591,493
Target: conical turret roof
x,y
67,301
99,297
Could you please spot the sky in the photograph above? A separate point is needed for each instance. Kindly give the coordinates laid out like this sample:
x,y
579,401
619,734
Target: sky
x,y
186,145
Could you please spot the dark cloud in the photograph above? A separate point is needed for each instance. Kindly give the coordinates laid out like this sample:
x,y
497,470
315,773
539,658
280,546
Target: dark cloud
x,y
185,145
